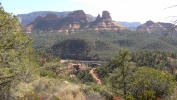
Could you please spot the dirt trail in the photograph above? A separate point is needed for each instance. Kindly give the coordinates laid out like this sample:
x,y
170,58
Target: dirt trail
x,y
95,76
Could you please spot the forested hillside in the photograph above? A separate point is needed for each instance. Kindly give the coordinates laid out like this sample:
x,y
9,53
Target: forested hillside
x,y
136,65
100,45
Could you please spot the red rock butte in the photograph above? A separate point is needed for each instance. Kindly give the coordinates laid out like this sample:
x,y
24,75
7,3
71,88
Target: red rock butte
x,y
106,15
77,16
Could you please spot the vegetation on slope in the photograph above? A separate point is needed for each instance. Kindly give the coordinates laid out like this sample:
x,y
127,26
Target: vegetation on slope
x,y
99,45
33,75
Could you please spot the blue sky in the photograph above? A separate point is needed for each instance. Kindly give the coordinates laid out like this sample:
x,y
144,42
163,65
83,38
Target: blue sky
x,y
120,10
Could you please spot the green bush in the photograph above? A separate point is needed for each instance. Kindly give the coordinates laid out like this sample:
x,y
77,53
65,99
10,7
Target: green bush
x,y
129,97
55,98
85,76
151,83
47,73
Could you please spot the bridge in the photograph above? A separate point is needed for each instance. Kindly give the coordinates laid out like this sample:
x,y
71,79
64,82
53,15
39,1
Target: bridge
x,y
86,63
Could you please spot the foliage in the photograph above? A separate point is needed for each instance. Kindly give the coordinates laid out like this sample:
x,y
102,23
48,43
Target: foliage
x,y
148,83
154,59
119,74
55,98
16,62
30,96
94,96
43,57
103,44
98,91
85,76
56,67
120,77
50,89
64,90
72,48
48,73
35,96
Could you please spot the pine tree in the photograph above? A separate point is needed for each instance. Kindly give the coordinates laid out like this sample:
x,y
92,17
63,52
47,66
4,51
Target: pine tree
x,y
16,62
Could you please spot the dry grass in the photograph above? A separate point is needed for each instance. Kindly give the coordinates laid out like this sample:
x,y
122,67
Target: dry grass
x,y
71,92
47,88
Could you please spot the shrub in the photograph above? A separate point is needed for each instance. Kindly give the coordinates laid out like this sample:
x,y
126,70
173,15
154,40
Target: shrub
x,y
48,73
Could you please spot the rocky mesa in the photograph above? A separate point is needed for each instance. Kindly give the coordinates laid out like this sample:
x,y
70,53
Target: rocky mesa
x,y
25,19
73,22
152,27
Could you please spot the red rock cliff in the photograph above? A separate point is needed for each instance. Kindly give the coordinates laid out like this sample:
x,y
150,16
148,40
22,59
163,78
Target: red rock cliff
x,y
106,15
77,16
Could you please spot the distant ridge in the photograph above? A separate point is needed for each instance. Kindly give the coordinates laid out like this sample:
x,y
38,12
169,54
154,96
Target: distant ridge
x,y
73,22
152,27
130,25
25,19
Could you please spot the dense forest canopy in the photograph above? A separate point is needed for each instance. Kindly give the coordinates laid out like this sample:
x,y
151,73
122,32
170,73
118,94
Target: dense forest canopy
x,y
101,45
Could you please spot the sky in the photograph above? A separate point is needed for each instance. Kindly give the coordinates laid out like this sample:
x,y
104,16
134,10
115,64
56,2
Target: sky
x,y
120,10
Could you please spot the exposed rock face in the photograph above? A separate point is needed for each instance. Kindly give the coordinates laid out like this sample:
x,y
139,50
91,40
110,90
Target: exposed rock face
x,y
106,15
52,23
38,18
105,23
149,23
75,21
167,25
28,18
71,23
25,19
48,17
152,27
77,16
98,18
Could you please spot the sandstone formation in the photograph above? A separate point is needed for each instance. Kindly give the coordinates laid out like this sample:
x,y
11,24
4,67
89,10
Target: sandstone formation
x,y
71,23
152,27
25,19
106,15
104,23
77,16
75,21
98,18
28,18
52,23
149,23
48,17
